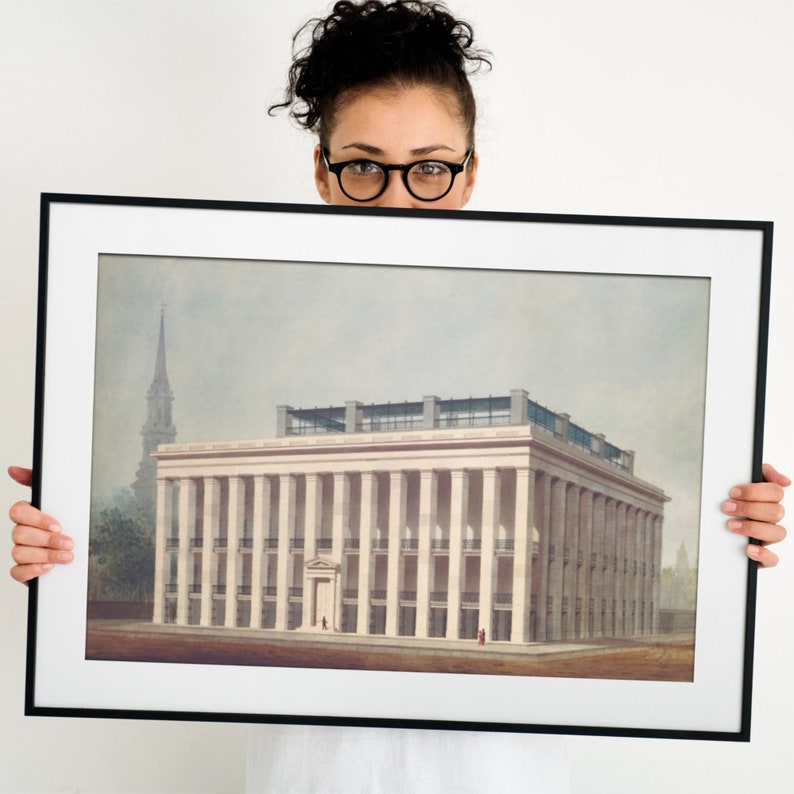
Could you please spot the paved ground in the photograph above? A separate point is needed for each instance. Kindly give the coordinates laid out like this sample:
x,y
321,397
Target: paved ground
x,y
660,658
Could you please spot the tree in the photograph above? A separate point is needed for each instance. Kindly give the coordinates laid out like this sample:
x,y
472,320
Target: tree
x,y
122,550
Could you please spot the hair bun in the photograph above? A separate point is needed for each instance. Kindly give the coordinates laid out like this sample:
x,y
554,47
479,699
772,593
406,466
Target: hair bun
x,y
375,43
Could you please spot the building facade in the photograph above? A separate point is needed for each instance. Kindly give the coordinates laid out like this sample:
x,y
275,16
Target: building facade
x,y
436,518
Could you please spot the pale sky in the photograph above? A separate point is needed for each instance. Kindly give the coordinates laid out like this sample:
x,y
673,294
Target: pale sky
x,y
623,355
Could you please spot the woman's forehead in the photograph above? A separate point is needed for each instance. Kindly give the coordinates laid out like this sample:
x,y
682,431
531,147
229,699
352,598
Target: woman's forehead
x,y
409,118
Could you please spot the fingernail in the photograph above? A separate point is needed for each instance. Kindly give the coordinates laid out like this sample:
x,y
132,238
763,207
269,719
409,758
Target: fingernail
x,y
55,527
65,543
64,557
729,507
753,551
734,525
736,492
48,566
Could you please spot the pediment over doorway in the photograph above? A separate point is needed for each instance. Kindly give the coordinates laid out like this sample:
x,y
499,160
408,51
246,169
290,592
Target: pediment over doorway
x,y
322,566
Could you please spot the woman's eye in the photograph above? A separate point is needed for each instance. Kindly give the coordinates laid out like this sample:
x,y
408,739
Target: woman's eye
x,y
431,169
363,168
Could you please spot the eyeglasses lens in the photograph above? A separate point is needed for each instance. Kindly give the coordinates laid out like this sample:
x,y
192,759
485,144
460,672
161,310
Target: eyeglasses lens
x,y
429,180
362,180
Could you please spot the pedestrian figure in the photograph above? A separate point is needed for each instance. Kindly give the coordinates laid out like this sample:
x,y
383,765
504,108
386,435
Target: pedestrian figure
x,y
325,624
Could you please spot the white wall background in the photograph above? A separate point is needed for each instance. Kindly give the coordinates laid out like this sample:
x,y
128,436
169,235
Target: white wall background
x,y
651,107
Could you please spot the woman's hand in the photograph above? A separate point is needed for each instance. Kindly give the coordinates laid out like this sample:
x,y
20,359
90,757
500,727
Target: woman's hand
x,y
39,543
756,512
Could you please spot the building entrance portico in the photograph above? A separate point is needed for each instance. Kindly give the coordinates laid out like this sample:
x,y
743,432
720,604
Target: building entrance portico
x,y
321,578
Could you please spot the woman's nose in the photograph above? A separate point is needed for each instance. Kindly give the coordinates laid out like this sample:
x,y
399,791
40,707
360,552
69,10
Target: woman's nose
x,y
396,194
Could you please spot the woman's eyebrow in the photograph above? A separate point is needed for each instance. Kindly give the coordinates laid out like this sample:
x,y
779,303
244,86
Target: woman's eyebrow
x,y
436,147
418,152
364,147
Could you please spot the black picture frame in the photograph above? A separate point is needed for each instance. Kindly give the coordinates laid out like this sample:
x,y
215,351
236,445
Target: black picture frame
x,y
627,277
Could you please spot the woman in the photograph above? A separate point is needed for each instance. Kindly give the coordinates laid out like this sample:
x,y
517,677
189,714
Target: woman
x,y
385,87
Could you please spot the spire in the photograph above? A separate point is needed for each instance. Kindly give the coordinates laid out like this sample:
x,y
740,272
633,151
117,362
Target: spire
x,y
160,373
159,427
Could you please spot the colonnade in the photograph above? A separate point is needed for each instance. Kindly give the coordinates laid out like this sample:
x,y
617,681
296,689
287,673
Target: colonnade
x,y
526,552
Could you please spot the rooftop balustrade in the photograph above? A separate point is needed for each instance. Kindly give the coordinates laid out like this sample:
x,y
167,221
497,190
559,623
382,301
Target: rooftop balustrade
x,y
433,413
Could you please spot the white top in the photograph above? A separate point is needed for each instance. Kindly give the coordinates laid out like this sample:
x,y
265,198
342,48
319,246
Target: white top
x,y
292,759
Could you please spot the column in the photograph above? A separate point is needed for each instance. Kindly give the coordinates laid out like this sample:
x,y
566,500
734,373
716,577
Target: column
x,y
211,511
642,567
313,517
314,510
636,569
286,529
543,525
340,529
628,548
490,528
458,518
522,561
597,561
161,561
570,559
369,521
584,571
261,518
236,517
557,522
610,556
340,520
620,575
312,524
397,507
428,502
647,585
187,524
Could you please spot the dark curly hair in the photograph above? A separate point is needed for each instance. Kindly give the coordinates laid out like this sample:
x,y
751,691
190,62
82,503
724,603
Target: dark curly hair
x,y
379,44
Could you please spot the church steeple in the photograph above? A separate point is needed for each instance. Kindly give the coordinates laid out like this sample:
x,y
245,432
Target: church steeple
x,y
159,427
160,381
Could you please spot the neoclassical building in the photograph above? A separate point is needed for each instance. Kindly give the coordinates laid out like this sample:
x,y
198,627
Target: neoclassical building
x,y
435,518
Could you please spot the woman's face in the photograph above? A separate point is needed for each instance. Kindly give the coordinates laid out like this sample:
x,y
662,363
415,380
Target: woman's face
x,y
397,126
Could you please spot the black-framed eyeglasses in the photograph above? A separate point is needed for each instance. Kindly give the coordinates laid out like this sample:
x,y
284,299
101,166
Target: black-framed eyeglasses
x,y
365,180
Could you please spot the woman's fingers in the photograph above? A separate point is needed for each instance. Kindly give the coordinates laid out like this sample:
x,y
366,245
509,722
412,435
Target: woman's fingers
x,y
20,475
38,541
762,555
756,513
758,501
765,533
771,474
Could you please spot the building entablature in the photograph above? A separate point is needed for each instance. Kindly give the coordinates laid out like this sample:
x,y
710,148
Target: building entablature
x,y
563,462
458,449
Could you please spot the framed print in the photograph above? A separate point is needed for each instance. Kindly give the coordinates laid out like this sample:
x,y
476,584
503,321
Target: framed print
x,y
389,467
